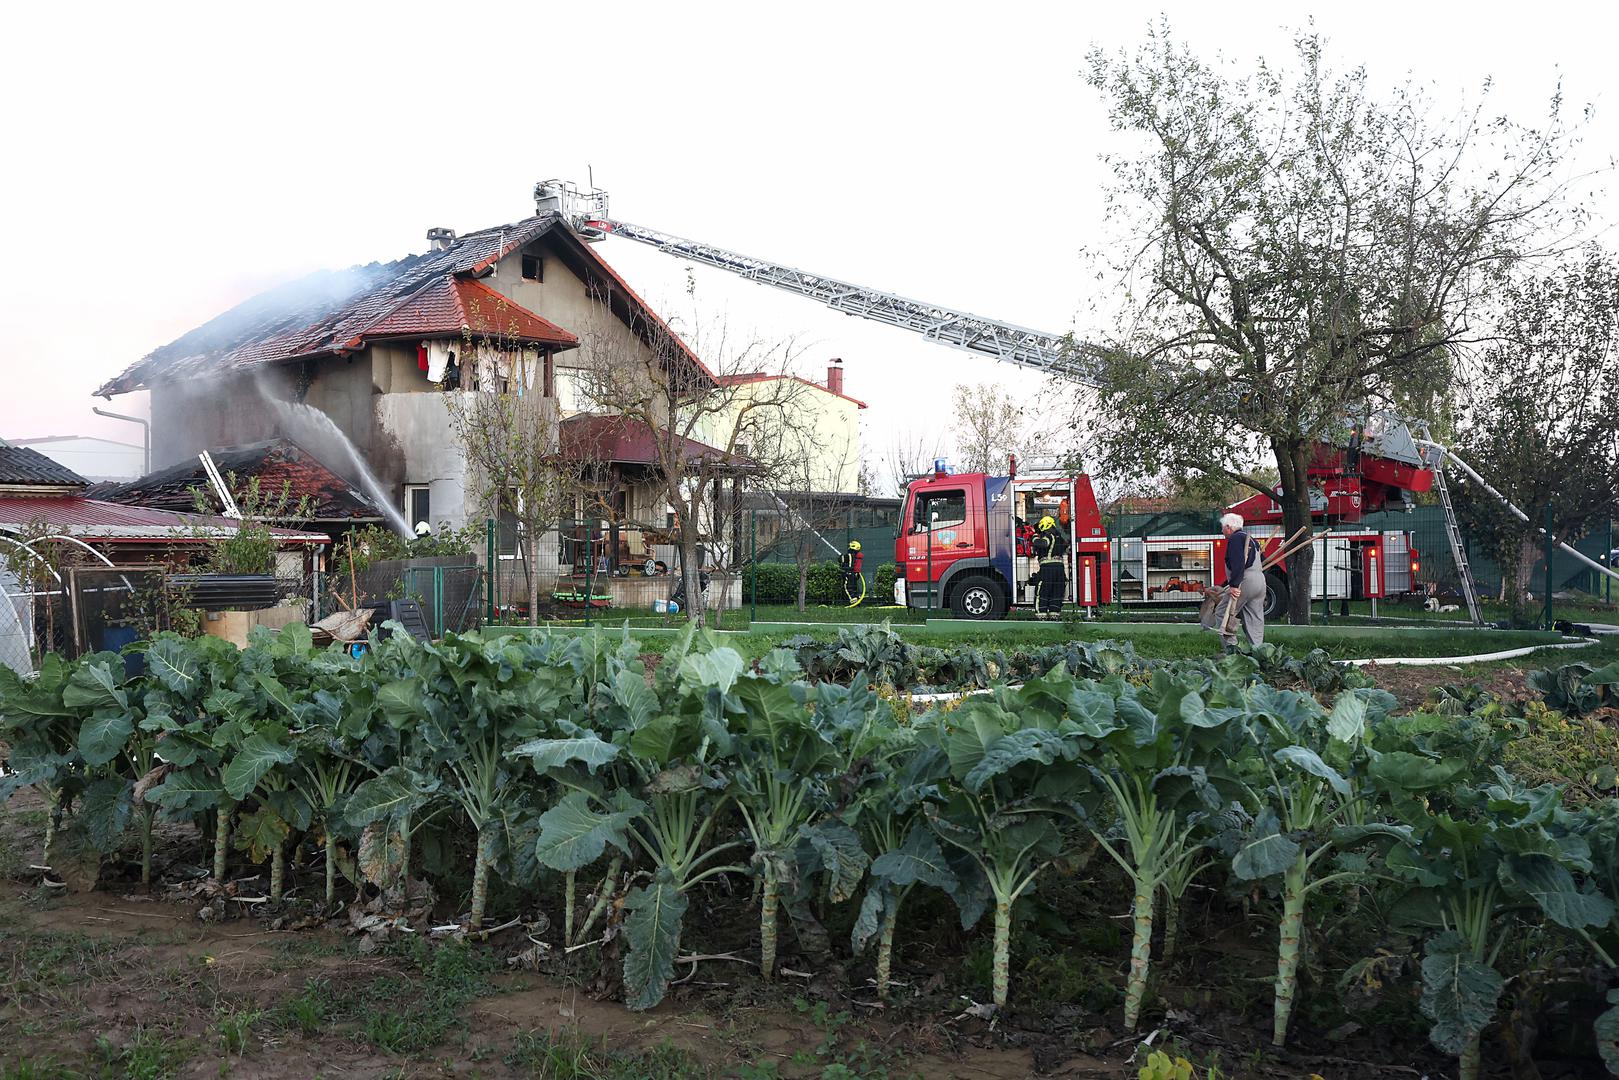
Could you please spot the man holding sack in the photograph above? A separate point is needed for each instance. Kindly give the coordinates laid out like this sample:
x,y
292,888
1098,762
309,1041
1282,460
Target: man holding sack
x,y
1243,598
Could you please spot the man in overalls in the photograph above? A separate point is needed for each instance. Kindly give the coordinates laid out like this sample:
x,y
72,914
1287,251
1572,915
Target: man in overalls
x,y
1245,585
1051,549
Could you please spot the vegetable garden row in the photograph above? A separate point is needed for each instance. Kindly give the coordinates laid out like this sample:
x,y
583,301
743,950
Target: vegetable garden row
x,y
562,757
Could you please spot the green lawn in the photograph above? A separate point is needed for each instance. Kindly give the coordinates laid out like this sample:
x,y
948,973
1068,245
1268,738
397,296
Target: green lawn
x,y
1360,612
1172,642
1342,641
738,619
1586,611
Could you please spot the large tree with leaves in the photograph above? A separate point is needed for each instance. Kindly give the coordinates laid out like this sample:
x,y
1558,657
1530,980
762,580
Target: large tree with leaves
x,y
1297,251
1542,414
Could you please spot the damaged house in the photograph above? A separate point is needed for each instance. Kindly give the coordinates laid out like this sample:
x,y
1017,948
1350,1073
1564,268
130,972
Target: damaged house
x,y
356,370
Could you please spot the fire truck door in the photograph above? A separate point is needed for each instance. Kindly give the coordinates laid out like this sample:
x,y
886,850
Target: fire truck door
x,y
943,529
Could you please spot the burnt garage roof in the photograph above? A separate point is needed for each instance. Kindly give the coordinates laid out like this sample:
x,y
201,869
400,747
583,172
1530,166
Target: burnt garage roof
x,y
20,465
96,521
275,462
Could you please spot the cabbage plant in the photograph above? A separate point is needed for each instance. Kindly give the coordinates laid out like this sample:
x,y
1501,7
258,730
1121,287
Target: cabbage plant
x,y
470,698
670,763
1013,762
1497,861
779,788
1151,766
1301,787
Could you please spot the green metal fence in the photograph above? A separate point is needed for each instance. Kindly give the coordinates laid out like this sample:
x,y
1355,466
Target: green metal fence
x,y
1426,524
1427,527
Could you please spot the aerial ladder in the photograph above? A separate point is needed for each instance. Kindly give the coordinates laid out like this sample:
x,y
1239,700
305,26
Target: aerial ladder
x,y
586,211
1055,354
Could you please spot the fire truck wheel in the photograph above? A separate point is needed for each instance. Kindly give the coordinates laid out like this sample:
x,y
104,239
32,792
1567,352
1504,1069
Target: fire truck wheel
x,y
1276,597
978,598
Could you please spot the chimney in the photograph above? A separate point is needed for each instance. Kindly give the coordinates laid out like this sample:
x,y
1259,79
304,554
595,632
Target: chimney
x,y
834,376
441,238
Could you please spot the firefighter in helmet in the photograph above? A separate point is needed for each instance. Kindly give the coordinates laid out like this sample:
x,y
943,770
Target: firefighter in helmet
x,y
854,582
1051,549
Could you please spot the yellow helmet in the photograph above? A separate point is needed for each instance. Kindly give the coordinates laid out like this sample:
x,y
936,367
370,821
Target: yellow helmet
x,y
854,545
1048,523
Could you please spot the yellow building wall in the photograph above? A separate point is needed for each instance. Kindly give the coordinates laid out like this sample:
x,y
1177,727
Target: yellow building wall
x,y
820,430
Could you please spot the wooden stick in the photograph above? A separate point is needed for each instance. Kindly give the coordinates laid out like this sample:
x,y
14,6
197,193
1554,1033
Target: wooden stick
x,y
354,588
1284,546
1293,549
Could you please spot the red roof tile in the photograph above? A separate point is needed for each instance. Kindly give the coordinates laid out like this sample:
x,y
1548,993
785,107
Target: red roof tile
x,y
451,306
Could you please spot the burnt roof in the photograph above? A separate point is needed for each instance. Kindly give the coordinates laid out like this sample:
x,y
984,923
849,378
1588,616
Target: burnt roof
x,y
274,462
25,466
95,521
335,311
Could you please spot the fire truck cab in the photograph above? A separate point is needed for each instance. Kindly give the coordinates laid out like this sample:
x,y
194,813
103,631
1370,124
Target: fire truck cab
x,y
963,543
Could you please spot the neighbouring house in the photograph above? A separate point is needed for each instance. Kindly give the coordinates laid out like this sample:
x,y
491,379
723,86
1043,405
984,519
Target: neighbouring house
x,y
359,367
814,506
96,459
821,429
86,542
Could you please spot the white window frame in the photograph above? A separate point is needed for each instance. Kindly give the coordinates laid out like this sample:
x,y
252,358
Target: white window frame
x,y
411,489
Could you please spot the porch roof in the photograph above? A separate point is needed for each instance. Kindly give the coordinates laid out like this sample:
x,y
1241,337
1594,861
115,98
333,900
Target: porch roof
x,y
623,440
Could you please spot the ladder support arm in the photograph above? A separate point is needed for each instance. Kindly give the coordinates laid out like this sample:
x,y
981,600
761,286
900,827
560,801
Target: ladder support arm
x,y
1519,514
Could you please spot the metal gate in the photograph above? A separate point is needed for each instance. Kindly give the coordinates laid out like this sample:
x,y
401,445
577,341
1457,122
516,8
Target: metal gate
x,y
449,596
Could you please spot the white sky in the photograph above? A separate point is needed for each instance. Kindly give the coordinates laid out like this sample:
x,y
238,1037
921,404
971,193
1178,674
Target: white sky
x,y
164,162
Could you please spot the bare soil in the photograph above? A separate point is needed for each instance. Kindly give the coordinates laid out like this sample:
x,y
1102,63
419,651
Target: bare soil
x,y
119,983
1413,685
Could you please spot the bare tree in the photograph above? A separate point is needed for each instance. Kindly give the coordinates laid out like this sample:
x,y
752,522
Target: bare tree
x,y
866,482
989,426
507,428
813,501
710,425
1541,420
909,454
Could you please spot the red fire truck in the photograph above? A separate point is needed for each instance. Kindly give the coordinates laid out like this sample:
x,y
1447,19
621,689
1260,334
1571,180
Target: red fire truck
x,y
961,549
